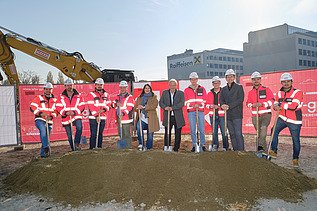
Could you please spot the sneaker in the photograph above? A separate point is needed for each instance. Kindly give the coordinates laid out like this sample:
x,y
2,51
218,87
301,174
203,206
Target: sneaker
x,y
140,147
224,149
214,148
295,163
170,149
193,149
165,148
272,154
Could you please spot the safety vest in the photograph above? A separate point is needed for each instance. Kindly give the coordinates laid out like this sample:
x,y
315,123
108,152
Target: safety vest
x,y
195,97
127,103
97,101
262,95
291,103
75,104
211,101
42,104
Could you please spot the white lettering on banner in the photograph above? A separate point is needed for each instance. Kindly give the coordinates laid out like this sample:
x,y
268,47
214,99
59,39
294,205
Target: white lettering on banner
x,y
311,107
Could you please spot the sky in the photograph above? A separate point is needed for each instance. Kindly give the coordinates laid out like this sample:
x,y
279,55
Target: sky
x,y
139,34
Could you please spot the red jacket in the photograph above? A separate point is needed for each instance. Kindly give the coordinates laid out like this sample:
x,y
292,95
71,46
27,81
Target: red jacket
x,y
262,95
192,97
291,103
42,104
97,101
210,101
127,103
75,104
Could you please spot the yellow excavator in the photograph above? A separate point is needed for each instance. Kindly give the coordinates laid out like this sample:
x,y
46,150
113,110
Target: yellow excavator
x,y
72,65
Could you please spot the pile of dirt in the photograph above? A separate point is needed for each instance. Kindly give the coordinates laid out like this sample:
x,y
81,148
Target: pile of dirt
x,y
154,179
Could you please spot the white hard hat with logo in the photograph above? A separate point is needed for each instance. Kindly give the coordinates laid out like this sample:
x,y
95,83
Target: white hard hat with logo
x,y
193,75
123,84
255,75
216,78
68,81
99,81
286,77
230,72
48,85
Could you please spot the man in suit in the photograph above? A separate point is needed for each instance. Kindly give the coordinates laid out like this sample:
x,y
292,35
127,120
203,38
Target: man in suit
x,y
231,100
173,100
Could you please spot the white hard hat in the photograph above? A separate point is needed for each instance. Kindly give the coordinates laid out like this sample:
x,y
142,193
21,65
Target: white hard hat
x,y
286,77
193,75
99,81
123,84
230,72
68,81
255,75
216,78
48,85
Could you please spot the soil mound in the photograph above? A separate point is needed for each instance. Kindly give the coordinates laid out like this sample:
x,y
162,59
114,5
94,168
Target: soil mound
x,y
184,181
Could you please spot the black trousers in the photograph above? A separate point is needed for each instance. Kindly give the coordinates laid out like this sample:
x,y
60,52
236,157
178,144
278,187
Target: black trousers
x,y
178,133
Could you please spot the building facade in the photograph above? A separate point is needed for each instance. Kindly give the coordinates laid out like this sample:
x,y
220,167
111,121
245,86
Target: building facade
x,y
280,48
207,63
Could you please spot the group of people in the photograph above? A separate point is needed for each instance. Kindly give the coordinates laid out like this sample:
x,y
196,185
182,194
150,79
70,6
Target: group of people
x,y
223,104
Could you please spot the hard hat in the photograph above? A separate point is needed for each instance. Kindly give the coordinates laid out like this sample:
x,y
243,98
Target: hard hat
x,y
123,84
68,81
99,81
286,77
193,75
216,78
255,75
48,85
230,72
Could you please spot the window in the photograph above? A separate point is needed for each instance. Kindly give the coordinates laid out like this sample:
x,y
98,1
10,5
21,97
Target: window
x,y
220,58
308,52
309,63
313,63
313,43
300,51
313,53
224,58
304,41
216,73
211,57
304,52
224,66
300,41
220,66
237,67
304,63
241,67
212,74
241,60
300,62
211,65
229,59
216,66
308,42
207,73
237,59
229,66
215,57
220,74
232,59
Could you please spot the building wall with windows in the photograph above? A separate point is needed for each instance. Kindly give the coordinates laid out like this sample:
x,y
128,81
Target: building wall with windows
x,y
207,64
280,48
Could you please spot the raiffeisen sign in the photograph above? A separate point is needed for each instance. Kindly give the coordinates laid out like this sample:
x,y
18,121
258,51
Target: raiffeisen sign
x,y
185,62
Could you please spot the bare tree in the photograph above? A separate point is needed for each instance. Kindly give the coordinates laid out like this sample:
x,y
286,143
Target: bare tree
x,y
26,77
60,78
50,77
35,79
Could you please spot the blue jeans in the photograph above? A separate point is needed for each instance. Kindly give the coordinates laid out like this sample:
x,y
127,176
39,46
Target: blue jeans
x,y
149,141
201,127
41,125
294,129
93,133
79,130
219,121
235,131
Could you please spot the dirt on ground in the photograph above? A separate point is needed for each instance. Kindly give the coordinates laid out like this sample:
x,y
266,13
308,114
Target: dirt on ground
x,y
183,181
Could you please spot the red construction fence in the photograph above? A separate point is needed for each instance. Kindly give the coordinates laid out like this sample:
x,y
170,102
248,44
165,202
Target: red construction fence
x,y
305,80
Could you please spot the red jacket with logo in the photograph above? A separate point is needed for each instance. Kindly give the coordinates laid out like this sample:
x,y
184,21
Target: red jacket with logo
x,y
197,96
291,103
210,101
75,103
41,104
262,95
127,103
97,101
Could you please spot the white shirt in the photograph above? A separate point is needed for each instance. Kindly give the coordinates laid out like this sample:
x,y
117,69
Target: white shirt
x,y
172,100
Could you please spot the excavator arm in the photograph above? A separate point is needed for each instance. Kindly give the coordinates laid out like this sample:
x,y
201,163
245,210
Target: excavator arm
x,y
72,65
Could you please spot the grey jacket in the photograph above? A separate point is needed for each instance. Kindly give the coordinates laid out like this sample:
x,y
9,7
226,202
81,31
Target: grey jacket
x,y
234,99
177,106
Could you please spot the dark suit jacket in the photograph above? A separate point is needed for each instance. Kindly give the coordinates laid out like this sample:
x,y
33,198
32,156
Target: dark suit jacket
x,y
178,104
234,99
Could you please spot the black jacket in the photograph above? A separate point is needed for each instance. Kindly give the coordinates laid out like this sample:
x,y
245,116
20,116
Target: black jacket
x,y
233,97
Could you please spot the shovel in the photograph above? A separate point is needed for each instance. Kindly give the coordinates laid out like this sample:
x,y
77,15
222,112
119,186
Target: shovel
x,y
48,139
226,128
134,134
98,129
213,129
121,144
197,135
166,147
141,131
266,155
71,131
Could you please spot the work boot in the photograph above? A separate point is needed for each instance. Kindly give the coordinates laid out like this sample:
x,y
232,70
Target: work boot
x,y
47,151
193,149
140,147
295,163
203,148
272,154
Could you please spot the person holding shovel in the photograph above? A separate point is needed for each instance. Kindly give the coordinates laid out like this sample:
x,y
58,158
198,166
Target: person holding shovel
x,y
216,115
146,105
70,105
260,99
98,103
172,102
195,99
124,103
43,107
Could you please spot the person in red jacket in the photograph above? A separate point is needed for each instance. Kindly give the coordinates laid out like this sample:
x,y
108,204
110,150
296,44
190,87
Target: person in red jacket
x,y
124,103
288,103
43,107
98,103
260,97
195,99
70,105
213,102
